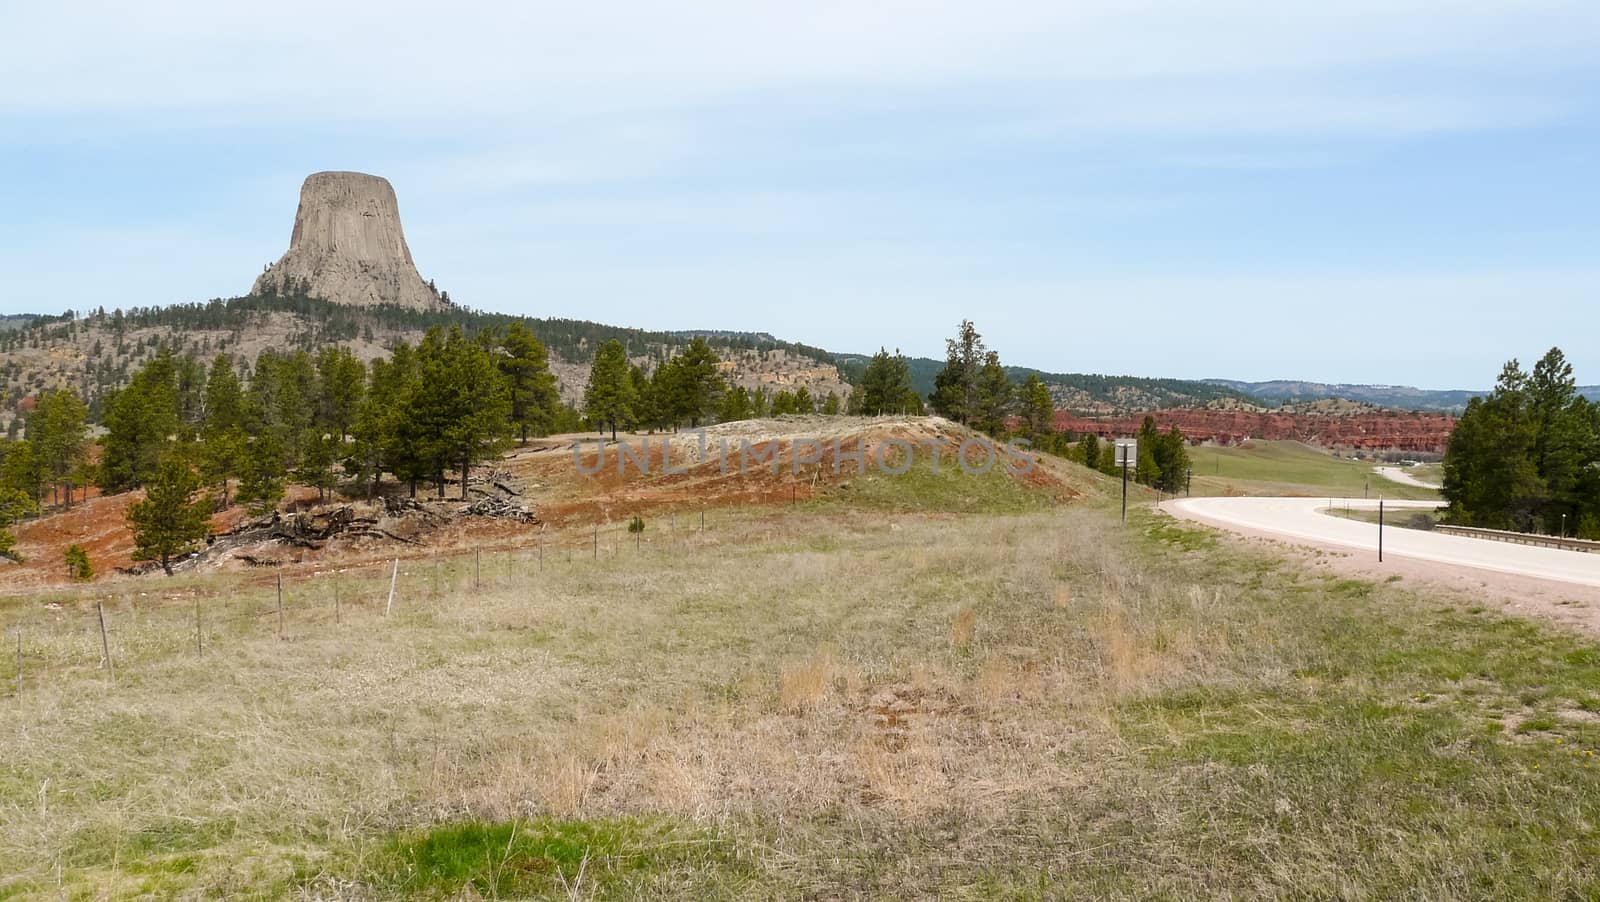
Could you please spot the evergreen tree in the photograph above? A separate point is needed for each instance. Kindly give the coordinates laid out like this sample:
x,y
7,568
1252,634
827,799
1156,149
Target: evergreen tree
x,y
831,405
169,522
803,402
1038,409
995,395
735,405
886,387
783,403
22,471
1527,456
698,383
1089,451
223,440
955,388
59,432
78,567
644,408
530,385
1171,461
461,409
1490,476
341,387
14,505
141,424
263,475
1146,472
609,397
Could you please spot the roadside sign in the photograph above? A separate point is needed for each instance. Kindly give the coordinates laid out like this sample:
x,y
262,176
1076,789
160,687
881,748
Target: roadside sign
x,y
1127,452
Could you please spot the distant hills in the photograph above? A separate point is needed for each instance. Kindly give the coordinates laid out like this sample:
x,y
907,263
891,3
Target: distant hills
x,y
1075,391
1284,391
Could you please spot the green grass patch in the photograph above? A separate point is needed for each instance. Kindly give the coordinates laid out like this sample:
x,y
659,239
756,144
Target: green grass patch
x,y
945,489
523,858
1290,468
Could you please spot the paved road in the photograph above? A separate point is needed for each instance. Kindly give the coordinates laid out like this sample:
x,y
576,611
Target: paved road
x,y
1303,519
1395,474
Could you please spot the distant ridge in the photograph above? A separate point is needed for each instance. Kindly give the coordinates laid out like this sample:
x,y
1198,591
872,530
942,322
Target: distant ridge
x,y
1283,391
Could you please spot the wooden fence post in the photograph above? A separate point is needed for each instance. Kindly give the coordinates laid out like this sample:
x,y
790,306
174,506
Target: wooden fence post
x,y
19,664
280,604
336,617
392,577
105,644
199,637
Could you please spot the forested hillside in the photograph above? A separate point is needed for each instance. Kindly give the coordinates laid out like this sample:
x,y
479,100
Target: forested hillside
x,y
97,351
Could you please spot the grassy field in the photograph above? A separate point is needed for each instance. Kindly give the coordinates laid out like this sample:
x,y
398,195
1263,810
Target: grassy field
x,y
808,703
1289,468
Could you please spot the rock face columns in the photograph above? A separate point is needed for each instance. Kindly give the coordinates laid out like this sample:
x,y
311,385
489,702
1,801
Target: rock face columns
x,y
348,246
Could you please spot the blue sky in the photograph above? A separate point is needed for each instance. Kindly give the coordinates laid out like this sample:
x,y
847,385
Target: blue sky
x,y
1362,192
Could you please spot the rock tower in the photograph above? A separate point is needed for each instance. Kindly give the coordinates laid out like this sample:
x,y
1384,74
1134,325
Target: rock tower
x,y
348,247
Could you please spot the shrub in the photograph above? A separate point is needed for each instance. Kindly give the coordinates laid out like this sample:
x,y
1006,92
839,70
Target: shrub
x,y
78,569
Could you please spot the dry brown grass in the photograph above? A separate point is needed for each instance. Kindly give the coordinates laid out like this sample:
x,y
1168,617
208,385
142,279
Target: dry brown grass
x,y
962,627
812,690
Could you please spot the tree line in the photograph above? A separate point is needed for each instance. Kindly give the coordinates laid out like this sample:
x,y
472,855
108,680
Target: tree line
x,y
1527,456
686,389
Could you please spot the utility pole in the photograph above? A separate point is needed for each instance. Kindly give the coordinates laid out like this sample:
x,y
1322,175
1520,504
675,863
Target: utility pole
x,y
1188,482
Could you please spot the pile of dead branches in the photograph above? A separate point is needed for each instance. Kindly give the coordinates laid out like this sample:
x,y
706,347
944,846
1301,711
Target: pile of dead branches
x,y
496,506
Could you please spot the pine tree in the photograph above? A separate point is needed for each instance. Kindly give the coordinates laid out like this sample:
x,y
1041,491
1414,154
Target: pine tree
x,y
803,402
1038,409
735,405
461,409
223,440
783,403
263,475
994,398
531,386
22,471
14,505
341,387
955,388
644,412
1089,451
831,405
698,382
1146,472
78,567
169,522
1171,460
886,387
609,397
59,431
141,424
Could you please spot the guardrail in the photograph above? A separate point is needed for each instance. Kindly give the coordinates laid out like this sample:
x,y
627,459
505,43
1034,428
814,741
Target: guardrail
x,y
1520,538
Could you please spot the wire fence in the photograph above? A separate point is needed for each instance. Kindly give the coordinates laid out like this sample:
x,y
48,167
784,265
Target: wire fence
x,y
122,629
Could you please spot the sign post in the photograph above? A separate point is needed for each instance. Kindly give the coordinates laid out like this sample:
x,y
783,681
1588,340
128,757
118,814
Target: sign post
x,y
1380,529
1127,455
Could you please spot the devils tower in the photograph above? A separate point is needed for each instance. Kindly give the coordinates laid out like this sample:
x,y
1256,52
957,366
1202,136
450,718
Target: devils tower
x,y
348,247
